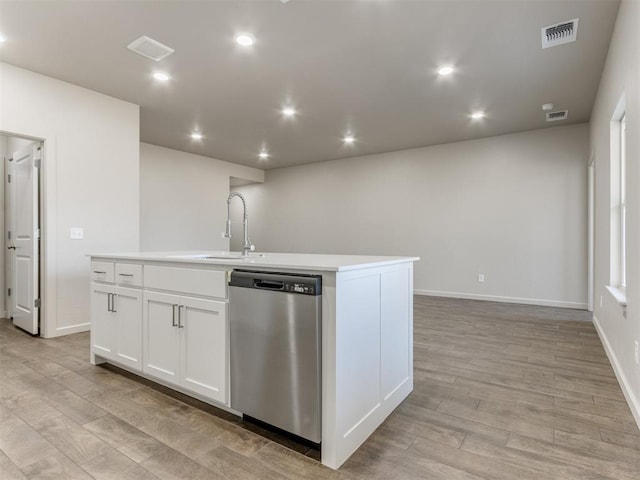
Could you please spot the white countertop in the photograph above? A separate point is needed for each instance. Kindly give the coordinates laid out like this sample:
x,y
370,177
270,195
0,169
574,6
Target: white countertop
x,y
296,261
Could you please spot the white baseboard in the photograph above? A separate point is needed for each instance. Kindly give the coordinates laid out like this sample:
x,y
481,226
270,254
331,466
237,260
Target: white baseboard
x,y
494,298
632,400
59,332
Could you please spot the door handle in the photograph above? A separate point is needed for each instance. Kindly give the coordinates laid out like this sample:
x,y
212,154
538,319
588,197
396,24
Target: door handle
x,y
180,324
173,320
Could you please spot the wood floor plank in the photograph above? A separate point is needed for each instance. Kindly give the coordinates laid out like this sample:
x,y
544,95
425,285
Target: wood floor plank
x,y
75,442
8,469
169,464
584,459
125,438
56,467
545,468
113,465
22,444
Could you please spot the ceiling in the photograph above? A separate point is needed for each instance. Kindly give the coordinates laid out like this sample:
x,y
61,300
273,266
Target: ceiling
x,y
366,67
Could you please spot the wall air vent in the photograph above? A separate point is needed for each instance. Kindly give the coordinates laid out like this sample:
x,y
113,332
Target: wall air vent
x,y
150,48
563,32
559,115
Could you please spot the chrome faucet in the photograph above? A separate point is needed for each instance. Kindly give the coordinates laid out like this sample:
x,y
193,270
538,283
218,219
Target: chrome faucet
x,y
248,247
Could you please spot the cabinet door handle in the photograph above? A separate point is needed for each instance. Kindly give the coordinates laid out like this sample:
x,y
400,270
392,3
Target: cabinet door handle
x,y
180,324
173,320
99,272
113,303
126,274
108,302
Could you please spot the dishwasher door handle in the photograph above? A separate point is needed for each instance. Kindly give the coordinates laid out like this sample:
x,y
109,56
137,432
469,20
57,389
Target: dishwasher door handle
x,y
268,284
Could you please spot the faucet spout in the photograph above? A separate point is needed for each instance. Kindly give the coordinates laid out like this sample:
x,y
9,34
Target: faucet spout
x,y
248,247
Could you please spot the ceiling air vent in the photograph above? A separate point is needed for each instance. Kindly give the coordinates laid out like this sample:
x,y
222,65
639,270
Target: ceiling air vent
x,y
563,32
559,115
150,48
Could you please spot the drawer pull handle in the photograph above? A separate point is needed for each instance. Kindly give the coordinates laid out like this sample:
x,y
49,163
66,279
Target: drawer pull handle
x,y
173,320
99,272
180,323
126,274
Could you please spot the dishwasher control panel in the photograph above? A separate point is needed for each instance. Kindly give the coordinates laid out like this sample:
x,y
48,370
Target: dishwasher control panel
x,y
300,284
299,288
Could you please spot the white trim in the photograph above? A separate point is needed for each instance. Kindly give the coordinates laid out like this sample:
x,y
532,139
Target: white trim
x,y
632,400
495,298
619,294
81,327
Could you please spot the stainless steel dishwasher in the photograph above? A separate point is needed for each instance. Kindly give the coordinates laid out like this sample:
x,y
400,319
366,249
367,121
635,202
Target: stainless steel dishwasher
x,y
276,343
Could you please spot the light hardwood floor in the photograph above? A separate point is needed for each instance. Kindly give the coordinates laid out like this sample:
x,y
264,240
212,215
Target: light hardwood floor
x,y
501,392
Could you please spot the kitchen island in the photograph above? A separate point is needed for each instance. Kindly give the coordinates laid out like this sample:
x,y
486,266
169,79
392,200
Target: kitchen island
x,y
165,316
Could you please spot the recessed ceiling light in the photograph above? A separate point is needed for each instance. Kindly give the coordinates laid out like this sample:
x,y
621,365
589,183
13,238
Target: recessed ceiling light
x,y
349,139
245,39
161,76
196,136
263,155
288,111
477,115
445,70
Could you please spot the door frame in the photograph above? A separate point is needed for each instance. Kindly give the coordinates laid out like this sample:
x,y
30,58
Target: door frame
x,y
591,233
45,307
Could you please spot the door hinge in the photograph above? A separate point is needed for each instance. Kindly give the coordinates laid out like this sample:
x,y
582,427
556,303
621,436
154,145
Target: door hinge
x,y
8,292
37,233
36,303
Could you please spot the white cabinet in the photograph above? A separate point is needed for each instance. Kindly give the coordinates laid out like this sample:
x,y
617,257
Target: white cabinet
x,y
116,324
185,342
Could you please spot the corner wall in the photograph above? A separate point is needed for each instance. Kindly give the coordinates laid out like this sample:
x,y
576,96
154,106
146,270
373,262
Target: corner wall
x,y
621,76
91,180
183,199
513,208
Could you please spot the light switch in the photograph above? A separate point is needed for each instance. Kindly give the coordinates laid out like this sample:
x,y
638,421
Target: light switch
x,y
76,233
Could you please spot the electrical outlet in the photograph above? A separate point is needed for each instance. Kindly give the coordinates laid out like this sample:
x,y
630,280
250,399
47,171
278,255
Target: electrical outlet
x,y
636,352
481,277
76,233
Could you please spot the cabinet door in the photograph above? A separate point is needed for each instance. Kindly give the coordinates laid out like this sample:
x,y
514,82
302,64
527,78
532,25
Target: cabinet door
x,y
128,341
161,336
204,347
103,321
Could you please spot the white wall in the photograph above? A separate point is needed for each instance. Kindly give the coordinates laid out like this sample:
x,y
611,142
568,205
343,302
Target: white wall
x,y
3,246
621,75
183,199
513,208
91,180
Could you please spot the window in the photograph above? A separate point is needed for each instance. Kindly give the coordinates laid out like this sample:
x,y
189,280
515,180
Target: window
x,y
618,216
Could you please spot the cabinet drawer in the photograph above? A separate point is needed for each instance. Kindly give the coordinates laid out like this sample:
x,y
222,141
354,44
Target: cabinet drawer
x,y
102,271
194,281
129,274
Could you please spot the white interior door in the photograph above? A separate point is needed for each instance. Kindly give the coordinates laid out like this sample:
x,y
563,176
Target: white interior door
x,y
23,242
